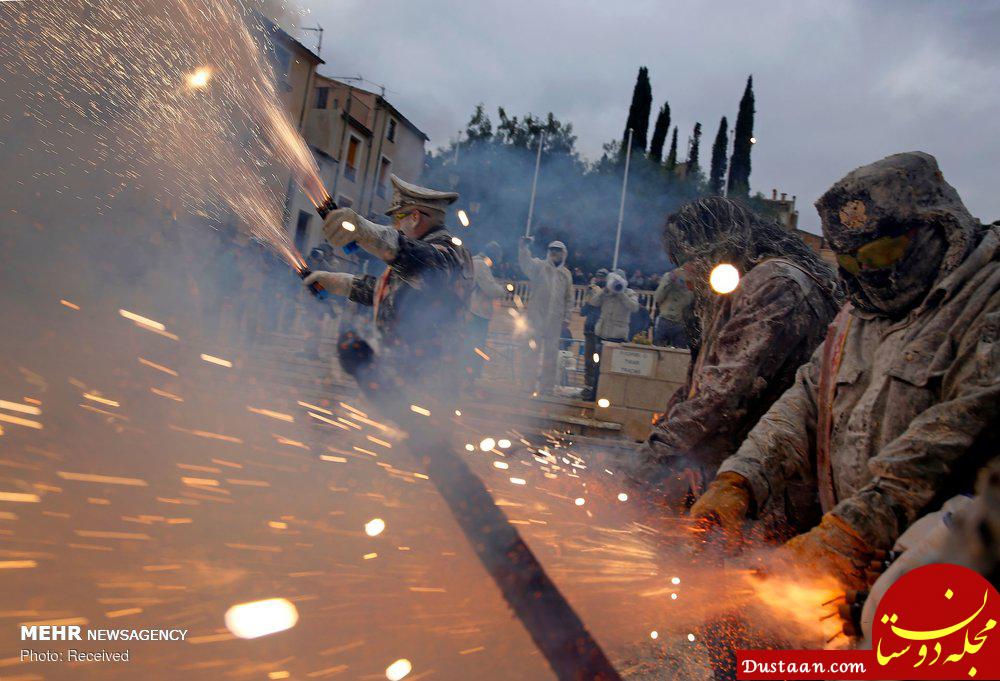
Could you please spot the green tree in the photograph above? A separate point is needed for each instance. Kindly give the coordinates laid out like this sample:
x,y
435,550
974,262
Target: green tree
x,y
479,128
660,129
638,112
717,173
693,165
739,164
671,162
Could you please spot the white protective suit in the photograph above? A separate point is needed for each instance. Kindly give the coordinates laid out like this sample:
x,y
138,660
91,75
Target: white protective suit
x,y
549,308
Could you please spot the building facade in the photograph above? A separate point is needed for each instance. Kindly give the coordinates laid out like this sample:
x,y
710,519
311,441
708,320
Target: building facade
x,y
359,140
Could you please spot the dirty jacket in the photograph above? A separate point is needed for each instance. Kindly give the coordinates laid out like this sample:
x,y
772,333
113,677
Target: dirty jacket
x,y
421,301
752,343
485,289
551,300
672,297
909,409
616,309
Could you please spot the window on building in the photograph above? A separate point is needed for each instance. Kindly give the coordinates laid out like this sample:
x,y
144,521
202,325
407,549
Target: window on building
x,y
282,62
322,95
385,168
302,231
351,169
390,133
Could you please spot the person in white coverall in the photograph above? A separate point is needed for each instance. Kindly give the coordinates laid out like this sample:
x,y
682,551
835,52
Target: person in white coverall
x,y
549,307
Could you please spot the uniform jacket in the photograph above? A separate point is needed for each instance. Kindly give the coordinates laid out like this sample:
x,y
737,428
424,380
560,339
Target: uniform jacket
x,y
912,410
421,300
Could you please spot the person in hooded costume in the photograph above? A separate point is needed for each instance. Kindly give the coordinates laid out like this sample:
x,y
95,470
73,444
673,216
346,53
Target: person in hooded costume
x,y
549,309
420,302
898,408
752,340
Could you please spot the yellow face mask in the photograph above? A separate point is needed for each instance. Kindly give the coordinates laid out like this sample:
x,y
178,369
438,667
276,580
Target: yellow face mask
x,y
877,255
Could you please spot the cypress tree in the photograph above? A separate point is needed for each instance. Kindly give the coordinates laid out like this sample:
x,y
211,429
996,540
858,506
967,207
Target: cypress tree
x,y
660,133
671,162
718,170
638,112
693,166
739,164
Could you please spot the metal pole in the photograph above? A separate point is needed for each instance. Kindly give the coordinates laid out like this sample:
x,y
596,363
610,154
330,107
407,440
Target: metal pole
x,y
621,206
534,183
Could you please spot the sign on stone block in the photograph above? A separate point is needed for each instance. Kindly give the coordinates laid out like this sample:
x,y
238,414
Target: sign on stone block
x,y
632,362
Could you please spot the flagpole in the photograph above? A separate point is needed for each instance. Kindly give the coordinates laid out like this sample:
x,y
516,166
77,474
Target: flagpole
x,y
621,206
534,183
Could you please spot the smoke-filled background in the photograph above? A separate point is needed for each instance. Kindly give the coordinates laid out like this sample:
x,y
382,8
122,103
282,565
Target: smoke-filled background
x,y
161,463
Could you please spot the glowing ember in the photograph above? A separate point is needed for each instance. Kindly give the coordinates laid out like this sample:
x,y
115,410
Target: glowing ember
x,y
349,226
398,669
261,618
597,358
217,360
673,597
724,278
463,217
518,481
502,465
503,443
455,240
510,287
691,637
487,444
417,409
458,412
604,403
374,527
675,580
469,447
579,501
199,78
142,321
654,634
622,496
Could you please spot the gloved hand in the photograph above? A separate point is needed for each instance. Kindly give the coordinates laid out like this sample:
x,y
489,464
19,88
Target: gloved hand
x,y
381,241
725,503
334,282
832,547
527,239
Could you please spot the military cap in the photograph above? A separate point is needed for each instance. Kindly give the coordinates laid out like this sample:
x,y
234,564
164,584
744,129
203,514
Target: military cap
x,y
409,195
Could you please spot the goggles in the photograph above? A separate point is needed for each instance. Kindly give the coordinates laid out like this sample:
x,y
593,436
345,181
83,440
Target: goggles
x,y
877,255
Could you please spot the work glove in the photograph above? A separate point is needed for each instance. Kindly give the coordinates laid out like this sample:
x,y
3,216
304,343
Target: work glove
x,y
344,225
526,240
724,504
833,547
338,283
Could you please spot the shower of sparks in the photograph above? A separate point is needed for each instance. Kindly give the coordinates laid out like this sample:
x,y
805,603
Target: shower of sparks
x,y
142,321
416,409
22,408
217,360
463,217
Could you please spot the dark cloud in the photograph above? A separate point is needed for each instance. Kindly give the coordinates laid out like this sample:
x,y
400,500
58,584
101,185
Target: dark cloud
x,y
837,84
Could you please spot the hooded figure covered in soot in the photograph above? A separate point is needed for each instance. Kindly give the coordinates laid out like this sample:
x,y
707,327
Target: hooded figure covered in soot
x,y
898,408
751,342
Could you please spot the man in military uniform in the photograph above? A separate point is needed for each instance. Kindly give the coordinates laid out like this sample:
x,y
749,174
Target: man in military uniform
x,y
421,300
898,407
753,339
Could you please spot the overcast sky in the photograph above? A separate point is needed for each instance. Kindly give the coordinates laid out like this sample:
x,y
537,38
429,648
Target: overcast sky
x,y
838,84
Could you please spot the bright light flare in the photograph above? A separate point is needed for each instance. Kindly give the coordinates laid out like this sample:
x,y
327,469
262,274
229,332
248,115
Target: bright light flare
x,y
374,527
463,217
455,240
654,634
724,278
579,501
261,618
622,496
398,670
487,444
510,288
597,358
198,79
604,403
349,226
503,443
